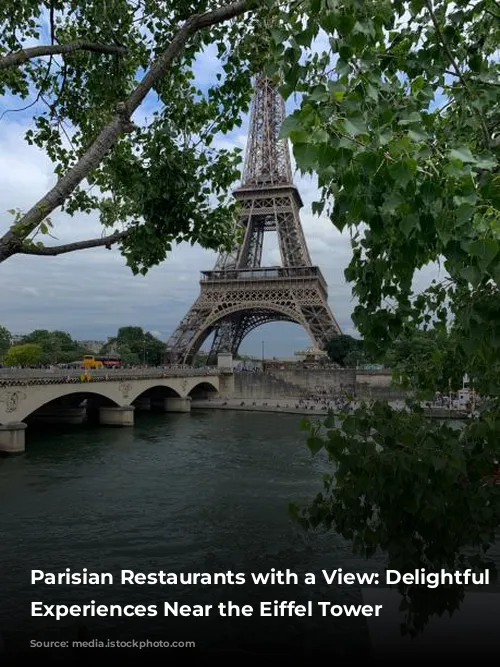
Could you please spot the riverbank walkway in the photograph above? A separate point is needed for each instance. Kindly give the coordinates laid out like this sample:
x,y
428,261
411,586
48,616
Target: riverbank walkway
x,y
311,407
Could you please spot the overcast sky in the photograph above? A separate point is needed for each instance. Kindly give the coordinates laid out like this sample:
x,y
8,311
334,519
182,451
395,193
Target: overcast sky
x,y
92,293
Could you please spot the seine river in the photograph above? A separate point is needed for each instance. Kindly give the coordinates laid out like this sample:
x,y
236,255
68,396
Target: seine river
x,y
200,492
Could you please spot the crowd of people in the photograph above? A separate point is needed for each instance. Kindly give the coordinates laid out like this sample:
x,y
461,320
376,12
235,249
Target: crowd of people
x,y
310,403
343,400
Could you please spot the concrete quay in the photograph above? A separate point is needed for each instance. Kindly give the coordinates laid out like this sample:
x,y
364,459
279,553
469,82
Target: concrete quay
x,y
309,408
271,405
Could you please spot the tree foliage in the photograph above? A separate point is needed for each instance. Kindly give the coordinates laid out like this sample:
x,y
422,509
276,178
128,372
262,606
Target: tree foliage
x,y
5,341
27,354
432,360
399,117
57,347
400,120
428,496
340,349
136,346
154,177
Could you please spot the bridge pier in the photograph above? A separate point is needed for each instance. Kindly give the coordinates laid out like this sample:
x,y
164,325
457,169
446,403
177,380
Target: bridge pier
x,y
226,378
12,437
116,416
226,385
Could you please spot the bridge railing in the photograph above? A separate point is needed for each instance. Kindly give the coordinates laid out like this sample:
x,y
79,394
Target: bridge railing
x,y
29,376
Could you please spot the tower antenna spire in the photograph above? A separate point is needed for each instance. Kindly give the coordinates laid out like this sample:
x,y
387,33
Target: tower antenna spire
x,y
267,159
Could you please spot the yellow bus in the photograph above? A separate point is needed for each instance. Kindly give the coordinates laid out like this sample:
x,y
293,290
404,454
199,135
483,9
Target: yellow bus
x,y
89,361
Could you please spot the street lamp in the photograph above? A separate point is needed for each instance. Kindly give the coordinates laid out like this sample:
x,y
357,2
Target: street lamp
x,y
262,351
144,351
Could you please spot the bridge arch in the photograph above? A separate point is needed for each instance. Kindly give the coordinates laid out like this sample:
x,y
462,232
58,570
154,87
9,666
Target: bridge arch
x,y
55,396
260,313
203,390
23,396
155,391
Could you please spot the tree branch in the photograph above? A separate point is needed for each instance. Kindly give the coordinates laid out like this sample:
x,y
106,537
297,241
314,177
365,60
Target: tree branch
x,y
455,66
19,57
118,125
492,13
107,241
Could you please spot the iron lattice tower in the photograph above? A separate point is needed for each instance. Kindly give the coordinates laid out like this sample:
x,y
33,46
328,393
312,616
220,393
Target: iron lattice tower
x,y
239,295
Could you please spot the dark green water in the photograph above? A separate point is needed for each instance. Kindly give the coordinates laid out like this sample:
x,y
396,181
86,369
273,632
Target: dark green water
x,y
200,492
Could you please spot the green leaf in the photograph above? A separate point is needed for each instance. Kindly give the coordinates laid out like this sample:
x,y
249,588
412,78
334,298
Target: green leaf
x,y
463,154
464,213
306,156
304,38
486,162
305,424
409,224
300,137
411,118
290,124
355,126
471,274
438,463
319,94
372,92
317,207
315,444
418,84
417,135
403,170
486,250
279,36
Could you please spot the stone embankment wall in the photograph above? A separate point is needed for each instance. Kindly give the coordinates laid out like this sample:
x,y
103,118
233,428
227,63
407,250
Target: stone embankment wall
x,y
301,383
319,380
263,385
377,384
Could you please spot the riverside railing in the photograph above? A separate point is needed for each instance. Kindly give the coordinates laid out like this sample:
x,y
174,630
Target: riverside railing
x,y
34,376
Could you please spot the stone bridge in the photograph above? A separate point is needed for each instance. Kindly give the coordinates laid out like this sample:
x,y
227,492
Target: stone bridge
x,y
109,396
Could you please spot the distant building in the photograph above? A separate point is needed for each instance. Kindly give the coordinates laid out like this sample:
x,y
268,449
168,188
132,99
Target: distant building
x,y
310,354
93,346
246,365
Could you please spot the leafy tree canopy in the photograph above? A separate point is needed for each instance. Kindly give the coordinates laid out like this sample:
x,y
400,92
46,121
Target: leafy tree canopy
x,y
28,354
56,346
400,120
425,494
154,180
5,341
136,346
399,117
339,347
428,359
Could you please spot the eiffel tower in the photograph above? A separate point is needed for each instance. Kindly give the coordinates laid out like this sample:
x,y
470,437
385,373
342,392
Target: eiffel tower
x,y
239,294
